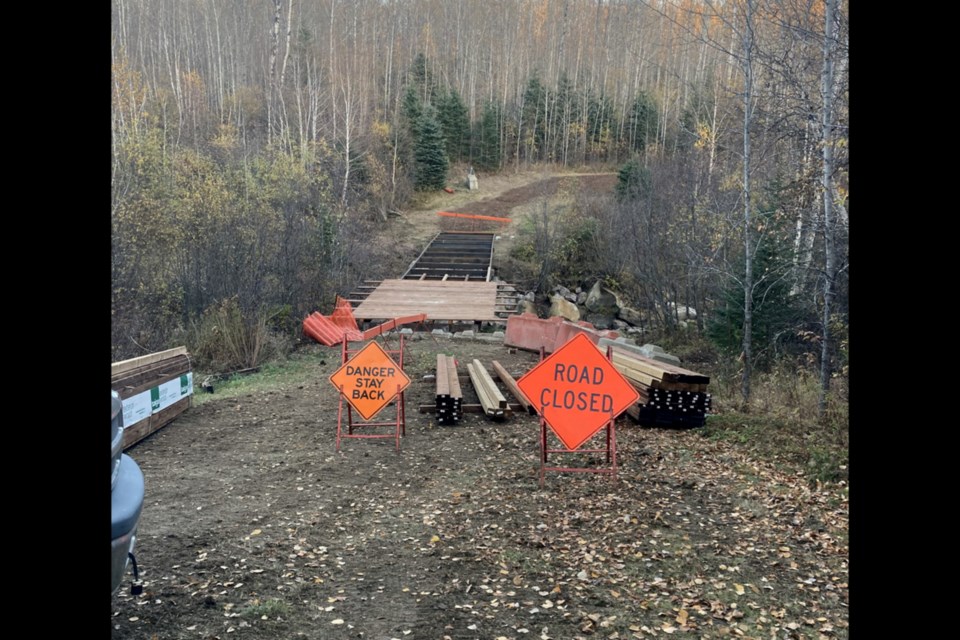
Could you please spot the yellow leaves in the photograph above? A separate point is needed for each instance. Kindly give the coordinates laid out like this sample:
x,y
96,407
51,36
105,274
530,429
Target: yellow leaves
x,y
682,617
380,129
226,138
256,532
704,135
738,588
434,539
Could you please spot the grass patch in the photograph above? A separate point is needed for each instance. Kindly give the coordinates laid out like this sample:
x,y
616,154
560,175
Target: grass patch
x,y
295,369
272,608
807,446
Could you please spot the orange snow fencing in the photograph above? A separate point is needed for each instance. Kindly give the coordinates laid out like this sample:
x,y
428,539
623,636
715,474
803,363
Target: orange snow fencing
x,y
341,324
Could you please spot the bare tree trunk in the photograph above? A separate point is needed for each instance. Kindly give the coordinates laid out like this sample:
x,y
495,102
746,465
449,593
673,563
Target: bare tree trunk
x,y
274,49
286,53
347,121
747,64
828,222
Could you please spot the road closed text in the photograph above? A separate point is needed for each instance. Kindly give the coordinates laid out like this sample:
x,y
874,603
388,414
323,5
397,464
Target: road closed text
x,y
580,400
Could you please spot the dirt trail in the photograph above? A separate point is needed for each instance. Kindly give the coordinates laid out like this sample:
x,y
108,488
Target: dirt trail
x,y
505,196
254,527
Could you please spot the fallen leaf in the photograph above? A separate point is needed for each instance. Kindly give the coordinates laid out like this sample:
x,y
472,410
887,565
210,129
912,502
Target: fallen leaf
x,y
517,580
615,594
682,617
255,532
337,621
668,628
472,627
739,588
434,539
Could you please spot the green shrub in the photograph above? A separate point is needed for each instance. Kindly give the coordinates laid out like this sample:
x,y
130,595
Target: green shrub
x,y
225,338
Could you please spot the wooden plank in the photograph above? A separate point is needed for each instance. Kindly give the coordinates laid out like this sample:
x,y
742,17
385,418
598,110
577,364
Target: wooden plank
x,y
511,384
154,423
443,381
653,372
655,368
493,392
439,300
454,378
490,404
126,365
152,369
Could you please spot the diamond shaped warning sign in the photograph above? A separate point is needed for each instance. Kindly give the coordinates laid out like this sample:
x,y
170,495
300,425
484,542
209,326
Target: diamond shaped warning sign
x,y
370,380
577,391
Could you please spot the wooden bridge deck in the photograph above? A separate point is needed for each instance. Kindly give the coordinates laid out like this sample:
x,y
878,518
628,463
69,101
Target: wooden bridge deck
x,y
448,300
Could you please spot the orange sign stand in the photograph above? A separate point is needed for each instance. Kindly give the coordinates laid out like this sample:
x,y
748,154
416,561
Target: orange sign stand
x,y
368,381
577,392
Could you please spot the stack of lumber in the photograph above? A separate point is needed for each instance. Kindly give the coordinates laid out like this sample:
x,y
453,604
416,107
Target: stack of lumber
x,y
154,389
491,399
670,396
449,396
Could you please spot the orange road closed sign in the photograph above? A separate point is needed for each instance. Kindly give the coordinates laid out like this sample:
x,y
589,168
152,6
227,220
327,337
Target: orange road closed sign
x,y
577,390
370,380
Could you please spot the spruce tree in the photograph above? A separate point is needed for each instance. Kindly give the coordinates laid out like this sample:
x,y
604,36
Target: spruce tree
x,y
774,311
633,181
489,138
456,123
412,109
429,152
642,121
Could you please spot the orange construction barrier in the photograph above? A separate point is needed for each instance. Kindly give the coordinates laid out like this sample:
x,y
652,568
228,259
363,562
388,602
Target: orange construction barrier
x,y
342,325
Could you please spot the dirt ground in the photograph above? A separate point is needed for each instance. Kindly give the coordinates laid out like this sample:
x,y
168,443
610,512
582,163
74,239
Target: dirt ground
x,y
254,526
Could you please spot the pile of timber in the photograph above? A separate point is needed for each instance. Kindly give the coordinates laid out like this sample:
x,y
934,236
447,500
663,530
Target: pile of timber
x,y
670,396
449,396
154,389
491,399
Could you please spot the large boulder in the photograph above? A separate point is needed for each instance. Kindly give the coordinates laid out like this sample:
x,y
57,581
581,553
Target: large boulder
x,y
630,315
528,306
601,301
560,306
683,312
566,293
